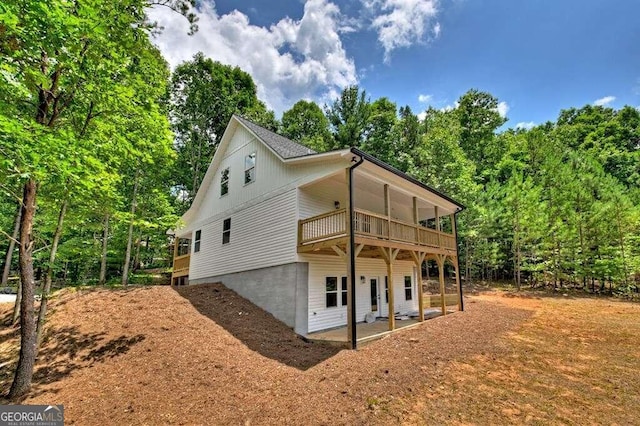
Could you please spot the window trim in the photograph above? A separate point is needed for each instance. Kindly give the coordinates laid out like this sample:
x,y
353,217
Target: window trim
x,y
226,231
344,291
328,292
409,288
255,161
196,241
224,181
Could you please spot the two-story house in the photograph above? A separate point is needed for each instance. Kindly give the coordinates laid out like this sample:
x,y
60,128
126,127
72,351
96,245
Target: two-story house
x,y
319,240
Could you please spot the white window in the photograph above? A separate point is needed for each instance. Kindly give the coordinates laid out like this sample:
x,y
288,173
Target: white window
x,y
224,182
196,241
226,231
250,168
344,291
331,288
408,288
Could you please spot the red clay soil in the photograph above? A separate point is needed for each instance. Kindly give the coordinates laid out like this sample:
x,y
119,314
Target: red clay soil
x,y
204,355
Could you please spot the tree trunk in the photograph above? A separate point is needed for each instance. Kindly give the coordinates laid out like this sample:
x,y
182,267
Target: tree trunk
x,y
16,306
467,265
149,255
621,242
103,257
42,313
136,257
24,371
518,250
7,265
12,245
125,269
65,271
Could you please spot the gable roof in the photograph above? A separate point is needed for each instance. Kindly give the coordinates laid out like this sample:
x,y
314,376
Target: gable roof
x,y
285,148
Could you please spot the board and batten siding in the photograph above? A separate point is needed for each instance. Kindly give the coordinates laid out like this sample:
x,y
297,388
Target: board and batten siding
x,y
320,267
262,235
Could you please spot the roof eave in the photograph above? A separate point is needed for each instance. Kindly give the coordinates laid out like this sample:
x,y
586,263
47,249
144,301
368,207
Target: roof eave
x,y
380,163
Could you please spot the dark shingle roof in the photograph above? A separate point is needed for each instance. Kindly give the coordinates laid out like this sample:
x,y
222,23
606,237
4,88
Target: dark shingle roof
x,y
285,148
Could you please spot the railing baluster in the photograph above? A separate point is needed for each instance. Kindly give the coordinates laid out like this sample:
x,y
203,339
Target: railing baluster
x,y
333,224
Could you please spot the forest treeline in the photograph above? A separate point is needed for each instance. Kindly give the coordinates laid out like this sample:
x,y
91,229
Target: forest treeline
x,y
555,204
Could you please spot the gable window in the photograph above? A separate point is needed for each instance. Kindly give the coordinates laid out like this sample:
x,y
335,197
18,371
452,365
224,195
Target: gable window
x,y
331,288
224,182
226,231
408,289
344,291
196,241
250,168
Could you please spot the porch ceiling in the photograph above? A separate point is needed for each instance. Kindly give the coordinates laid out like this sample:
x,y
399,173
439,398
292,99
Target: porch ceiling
x,y
369,194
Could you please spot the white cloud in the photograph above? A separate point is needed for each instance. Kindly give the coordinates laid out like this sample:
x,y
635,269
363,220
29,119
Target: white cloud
x,y
604,101
291,60
525,125
450,107
503,109
424,98
401,23
422,115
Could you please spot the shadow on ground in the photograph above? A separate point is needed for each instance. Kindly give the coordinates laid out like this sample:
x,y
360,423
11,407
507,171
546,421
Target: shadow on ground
x,y
254,327
67,349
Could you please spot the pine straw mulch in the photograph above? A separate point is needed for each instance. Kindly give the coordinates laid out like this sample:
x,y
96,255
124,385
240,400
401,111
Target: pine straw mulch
x,y
204,355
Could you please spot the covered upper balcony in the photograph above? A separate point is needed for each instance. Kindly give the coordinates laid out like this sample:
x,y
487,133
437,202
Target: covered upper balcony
x,y
388,212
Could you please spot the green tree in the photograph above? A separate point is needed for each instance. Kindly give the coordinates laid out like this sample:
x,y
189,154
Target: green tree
x,y
348,117
203,96
306,123
55,61
381,131
479,119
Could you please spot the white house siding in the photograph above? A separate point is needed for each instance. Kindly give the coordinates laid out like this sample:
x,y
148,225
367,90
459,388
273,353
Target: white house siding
x,y
272,176
320,198
320,267
261,235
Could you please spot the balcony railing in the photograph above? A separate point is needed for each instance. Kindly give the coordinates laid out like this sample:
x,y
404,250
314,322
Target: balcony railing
x,y
368,224
181,265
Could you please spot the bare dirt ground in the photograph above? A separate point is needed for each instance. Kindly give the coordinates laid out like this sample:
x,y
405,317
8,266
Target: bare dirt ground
x,y
203,355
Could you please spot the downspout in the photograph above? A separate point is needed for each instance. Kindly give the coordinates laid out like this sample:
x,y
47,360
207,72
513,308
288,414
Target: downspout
x,y
352,257
455,219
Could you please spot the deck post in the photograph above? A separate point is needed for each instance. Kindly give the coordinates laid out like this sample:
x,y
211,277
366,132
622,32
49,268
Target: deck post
x,y
418,258
387,209
389,254
440,258
438,226
416,219
455,263
175,254
391,307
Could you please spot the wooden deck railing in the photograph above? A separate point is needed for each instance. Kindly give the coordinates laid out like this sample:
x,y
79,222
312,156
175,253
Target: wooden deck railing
x,y
435,300
322,227
334,224
181,263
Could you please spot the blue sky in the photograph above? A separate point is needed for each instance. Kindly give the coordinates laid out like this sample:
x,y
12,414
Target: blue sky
x,y
537,57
